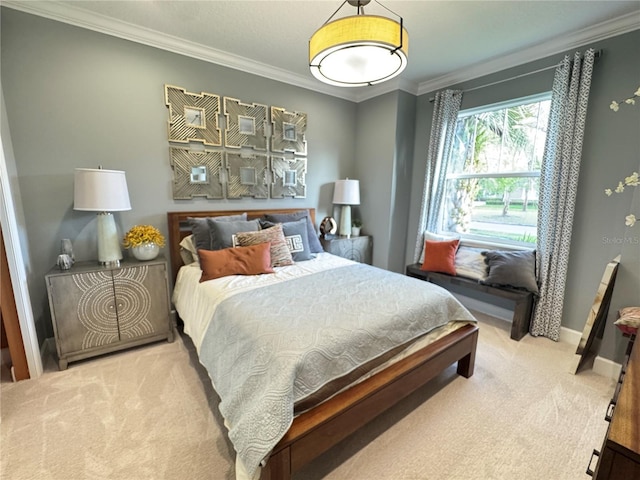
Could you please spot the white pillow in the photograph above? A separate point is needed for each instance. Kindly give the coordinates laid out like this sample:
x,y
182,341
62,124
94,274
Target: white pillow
x,y
427,235
188,250
470,263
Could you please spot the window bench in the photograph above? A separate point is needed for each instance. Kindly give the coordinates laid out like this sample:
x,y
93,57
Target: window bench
x,y
523,299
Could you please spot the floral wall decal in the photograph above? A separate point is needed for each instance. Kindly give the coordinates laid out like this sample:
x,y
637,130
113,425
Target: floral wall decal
x,y
632,180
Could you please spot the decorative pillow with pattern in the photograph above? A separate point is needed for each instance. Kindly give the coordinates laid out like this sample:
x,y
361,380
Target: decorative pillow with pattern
x,y
314,241
280,254
296,235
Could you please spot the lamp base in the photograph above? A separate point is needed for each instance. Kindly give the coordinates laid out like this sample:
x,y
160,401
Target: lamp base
x,y
109,252
345,221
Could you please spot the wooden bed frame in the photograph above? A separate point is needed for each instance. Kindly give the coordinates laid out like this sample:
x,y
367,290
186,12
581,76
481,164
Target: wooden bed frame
x,y
324,426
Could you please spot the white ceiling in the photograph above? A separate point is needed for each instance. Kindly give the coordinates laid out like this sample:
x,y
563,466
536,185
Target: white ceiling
x,y
449,41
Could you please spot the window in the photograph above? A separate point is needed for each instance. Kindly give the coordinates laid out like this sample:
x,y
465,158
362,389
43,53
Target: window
x,y
494,172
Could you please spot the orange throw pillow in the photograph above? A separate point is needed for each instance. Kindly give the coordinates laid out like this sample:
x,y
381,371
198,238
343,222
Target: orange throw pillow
x,y
252,260
440,256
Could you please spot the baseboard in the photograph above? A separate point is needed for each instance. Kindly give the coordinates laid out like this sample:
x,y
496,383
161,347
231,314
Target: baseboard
x,y
606,368
572,337
601,366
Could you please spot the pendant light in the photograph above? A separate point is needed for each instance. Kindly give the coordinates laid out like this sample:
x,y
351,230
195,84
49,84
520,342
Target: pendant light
x,y
358,50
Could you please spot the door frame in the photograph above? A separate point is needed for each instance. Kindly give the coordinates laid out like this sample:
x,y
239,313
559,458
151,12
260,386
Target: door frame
x,y
17,269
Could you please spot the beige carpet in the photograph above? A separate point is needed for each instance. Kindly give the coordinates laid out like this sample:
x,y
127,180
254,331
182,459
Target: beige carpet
x,y
150,413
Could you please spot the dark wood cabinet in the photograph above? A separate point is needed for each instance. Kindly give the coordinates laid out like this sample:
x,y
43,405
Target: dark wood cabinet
x,y
619,458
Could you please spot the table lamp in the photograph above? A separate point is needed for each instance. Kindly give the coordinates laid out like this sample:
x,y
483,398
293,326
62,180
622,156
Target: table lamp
x,y
346,193
103,191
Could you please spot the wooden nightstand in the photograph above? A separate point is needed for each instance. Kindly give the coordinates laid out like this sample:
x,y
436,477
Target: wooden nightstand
x,y
355,248
96,310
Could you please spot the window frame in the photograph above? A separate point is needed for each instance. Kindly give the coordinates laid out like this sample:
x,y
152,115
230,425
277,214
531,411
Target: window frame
x,y
483,240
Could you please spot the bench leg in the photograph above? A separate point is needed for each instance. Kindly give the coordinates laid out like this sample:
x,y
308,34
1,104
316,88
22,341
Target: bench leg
x,y
521,317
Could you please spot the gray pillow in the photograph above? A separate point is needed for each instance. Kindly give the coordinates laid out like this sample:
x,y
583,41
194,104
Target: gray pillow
x,y
295,233
223,232
314,241
201,231
512,269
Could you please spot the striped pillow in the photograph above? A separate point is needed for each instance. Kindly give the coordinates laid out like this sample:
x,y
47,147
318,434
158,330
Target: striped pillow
x,y
280,254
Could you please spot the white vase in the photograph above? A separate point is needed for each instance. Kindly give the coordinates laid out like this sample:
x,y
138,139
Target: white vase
x,y
146,251
355,231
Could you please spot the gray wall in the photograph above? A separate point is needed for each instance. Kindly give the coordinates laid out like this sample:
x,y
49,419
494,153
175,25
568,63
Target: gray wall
x,y
76,98
611,151
384,161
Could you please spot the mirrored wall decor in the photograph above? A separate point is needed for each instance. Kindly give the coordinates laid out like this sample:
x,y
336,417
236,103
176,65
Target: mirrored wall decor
x,y
288,177
288,131
245,124
193,117
196,173
246,176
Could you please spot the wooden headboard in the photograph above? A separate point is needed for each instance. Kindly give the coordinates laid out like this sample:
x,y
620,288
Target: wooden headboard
x,y
179,227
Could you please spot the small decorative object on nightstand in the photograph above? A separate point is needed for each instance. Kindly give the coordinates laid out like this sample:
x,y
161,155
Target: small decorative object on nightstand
x,y
96,310
359,249
328,227
144,241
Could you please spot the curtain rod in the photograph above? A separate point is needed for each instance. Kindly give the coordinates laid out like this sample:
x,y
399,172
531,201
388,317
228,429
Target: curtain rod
x,y
597,55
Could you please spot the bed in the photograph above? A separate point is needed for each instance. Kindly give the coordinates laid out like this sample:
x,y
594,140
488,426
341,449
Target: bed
x,y
352,402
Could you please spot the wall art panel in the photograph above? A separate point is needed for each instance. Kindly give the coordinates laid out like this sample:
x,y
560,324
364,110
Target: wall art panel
x,y
246,176
245,124
193,117
288,131
288,177
196,173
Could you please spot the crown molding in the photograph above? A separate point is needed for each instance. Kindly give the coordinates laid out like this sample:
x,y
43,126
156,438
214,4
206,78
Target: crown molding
x,y
79,17
393,85
611,28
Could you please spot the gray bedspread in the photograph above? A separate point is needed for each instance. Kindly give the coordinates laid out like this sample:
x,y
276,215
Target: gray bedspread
x,y
271,347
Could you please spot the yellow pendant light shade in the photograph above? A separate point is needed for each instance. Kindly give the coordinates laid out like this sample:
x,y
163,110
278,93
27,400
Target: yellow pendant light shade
x,y
358,50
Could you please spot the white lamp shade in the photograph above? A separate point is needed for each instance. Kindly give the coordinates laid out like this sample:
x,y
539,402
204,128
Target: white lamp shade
x,y
346,192
98,190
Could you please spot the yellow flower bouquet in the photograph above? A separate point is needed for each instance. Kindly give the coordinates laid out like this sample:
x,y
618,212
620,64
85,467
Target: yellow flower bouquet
x,y
141,234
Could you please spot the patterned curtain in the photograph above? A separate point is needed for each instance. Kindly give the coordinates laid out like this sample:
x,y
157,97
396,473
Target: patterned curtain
x,y
443,128
558,187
